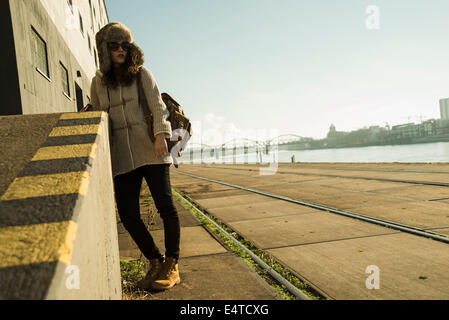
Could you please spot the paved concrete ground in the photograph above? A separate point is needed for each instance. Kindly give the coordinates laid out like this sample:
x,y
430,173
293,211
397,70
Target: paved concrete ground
x,y
208,270
421,206
329,251
20,138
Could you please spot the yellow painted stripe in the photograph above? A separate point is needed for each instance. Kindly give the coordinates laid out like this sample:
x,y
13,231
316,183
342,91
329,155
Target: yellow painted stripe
x,y
75,130
39,243
48,185
81,115
63,152
93,151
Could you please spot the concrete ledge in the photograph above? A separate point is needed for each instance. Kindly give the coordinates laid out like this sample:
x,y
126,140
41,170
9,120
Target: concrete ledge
x,y
58,229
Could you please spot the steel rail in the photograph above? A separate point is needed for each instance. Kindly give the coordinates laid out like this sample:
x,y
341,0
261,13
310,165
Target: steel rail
x,y
430,183
382,170
384,223
291,288
367,169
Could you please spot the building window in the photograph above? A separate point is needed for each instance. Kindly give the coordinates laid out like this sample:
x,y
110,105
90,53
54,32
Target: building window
x,y
95,54
91,15
99,8
81,25
65,80
39,48
88,40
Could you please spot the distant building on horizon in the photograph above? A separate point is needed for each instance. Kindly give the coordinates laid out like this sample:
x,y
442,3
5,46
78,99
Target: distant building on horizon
x,y
49,55
444,109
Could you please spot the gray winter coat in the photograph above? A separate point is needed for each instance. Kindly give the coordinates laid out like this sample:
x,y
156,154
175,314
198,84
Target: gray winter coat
x,y
131,146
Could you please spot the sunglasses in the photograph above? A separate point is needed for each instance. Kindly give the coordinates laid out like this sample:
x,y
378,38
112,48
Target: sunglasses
x,y
114,45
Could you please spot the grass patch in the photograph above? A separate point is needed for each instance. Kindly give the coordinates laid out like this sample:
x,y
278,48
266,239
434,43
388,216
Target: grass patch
x,y
131,272
268,259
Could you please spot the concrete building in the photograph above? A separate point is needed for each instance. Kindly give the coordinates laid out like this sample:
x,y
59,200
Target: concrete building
x,y
408,130
444,109
49,55
428,128
442,126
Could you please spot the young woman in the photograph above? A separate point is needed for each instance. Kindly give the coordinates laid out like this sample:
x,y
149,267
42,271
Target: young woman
x,y
134,156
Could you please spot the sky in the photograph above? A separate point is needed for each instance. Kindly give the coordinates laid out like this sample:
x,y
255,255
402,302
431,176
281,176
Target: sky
x,y
259,68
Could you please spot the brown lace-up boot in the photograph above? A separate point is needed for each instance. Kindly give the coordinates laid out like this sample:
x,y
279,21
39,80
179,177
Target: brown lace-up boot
x,y
168,276
155,268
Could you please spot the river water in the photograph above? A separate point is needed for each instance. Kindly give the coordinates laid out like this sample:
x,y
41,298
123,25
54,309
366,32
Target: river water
x,y
425,152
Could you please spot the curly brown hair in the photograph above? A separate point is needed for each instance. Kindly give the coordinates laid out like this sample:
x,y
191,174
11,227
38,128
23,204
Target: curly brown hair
x,y
126,73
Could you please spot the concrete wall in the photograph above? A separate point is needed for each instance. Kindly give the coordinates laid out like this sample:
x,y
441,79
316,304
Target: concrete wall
x,y
9,82
95,250
58,25
58,228
66,19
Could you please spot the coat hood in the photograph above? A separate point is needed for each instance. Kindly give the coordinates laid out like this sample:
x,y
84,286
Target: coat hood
x,y
115,32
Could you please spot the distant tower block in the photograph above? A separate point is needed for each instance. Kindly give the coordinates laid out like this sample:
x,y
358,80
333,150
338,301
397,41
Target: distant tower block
x,y
444,109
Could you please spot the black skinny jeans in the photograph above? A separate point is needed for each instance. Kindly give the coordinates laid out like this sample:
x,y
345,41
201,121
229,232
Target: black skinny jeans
x,y
127,191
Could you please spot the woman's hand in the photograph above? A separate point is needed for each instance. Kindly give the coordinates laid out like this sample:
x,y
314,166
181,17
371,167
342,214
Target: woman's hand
x,y
160,145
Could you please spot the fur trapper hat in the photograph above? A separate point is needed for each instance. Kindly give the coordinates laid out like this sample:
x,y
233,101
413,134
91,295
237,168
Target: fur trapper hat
x,y
114,32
